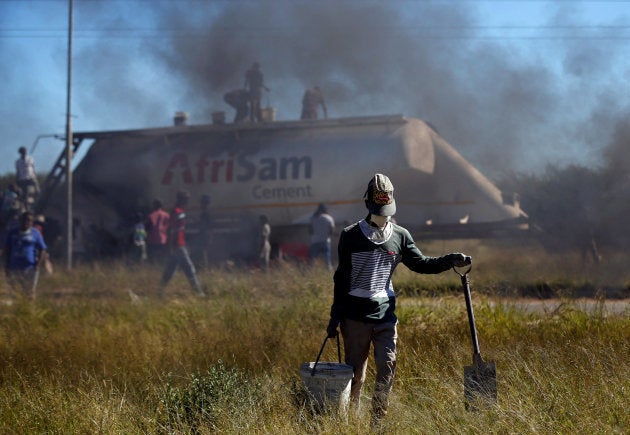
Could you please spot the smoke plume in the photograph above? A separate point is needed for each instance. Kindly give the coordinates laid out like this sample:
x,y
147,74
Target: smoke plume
x,y
503,108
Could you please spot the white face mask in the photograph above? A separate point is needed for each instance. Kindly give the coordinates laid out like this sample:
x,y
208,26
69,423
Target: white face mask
x,y
380,221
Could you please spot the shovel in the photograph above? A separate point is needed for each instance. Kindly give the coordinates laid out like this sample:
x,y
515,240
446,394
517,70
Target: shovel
x,y
480,379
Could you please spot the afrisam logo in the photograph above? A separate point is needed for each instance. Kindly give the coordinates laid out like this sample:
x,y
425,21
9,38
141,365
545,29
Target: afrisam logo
x,y
238,168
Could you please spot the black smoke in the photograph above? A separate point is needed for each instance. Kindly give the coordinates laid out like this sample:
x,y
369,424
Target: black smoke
x,y
504,108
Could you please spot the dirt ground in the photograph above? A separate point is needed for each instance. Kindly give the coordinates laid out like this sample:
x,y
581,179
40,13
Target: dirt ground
x,y
607,306
549,306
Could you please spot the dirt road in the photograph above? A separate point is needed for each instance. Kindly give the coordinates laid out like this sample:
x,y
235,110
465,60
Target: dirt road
x,y
608,306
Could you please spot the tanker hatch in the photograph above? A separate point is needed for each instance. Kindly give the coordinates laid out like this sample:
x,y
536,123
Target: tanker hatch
x,y
180,118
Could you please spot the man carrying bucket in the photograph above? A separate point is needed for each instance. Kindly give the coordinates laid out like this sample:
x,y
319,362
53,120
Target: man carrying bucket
x,y
364,300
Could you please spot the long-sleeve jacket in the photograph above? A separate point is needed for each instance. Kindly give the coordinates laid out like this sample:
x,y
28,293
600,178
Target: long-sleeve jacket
x,y
363,286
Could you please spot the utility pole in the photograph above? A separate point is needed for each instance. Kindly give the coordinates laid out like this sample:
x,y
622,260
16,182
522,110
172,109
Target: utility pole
x,y
69,141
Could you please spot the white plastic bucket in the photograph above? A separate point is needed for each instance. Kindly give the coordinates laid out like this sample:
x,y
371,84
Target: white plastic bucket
x,y
329,387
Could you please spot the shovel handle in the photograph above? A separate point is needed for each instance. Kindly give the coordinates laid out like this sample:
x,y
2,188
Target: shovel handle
x,y
469,309
322,350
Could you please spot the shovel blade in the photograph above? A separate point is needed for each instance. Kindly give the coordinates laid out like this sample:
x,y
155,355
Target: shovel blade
x,y
480,384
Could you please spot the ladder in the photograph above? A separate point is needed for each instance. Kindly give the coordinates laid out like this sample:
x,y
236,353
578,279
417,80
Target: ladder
x,y
55,177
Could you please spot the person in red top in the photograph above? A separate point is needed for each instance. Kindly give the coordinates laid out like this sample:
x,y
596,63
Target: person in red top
x,y
157,232
177,243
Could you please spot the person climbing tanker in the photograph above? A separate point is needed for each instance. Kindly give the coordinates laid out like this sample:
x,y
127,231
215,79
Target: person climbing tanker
x,y
364,300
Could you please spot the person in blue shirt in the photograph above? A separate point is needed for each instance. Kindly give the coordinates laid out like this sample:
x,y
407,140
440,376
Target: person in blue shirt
x,y
24,251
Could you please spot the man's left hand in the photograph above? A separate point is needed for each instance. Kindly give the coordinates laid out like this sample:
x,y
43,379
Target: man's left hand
x,y
458,259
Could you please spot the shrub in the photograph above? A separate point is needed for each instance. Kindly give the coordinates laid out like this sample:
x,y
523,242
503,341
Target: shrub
x,y
205,397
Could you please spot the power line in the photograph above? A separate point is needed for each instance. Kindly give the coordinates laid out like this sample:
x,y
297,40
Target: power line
x,y
276,28
586,32
468,32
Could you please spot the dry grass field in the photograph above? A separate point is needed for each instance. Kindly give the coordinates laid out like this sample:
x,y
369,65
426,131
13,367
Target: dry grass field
x,y
99,352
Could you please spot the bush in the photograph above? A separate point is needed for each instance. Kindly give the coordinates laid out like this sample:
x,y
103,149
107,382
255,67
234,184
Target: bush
x,y
201,402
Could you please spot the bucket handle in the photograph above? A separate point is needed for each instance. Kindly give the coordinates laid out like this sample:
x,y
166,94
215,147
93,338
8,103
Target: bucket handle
x,y
322,350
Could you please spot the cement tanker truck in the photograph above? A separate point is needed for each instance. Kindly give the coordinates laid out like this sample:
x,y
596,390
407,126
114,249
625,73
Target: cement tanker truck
x,y
283,170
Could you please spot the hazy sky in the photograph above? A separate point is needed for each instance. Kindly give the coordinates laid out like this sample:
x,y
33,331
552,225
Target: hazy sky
x,y
512,85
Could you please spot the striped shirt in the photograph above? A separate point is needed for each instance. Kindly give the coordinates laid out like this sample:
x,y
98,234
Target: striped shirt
x,y
367,260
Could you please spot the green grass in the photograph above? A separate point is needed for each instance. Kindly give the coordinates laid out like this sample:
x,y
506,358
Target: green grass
x,y
98,352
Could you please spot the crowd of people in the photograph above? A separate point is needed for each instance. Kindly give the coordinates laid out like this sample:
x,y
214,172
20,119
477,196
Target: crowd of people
x,y
159,236
155,237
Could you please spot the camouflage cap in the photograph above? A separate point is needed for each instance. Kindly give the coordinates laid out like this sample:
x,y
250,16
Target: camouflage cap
x,y
379,196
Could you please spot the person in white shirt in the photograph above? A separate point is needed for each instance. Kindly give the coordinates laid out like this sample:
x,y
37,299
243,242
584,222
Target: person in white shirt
x,y
25,176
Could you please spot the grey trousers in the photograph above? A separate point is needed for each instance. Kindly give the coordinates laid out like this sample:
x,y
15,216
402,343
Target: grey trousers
x,y
357,338
24,281
179,257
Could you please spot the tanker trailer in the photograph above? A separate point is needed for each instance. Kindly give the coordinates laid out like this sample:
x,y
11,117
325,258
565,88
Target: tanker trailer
x,y
282,170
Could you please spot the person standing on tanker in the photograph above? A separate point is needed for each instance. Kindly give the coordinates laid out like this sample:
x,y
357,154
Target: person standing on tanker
x,y
312,99
26,177
321,230
157,232
239,99
177,243
364,300
255,83
25,252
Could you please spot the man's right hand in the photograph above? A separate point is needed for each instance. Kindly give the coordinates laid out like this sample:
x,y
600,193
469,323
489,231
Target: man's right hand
x,y
331,330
